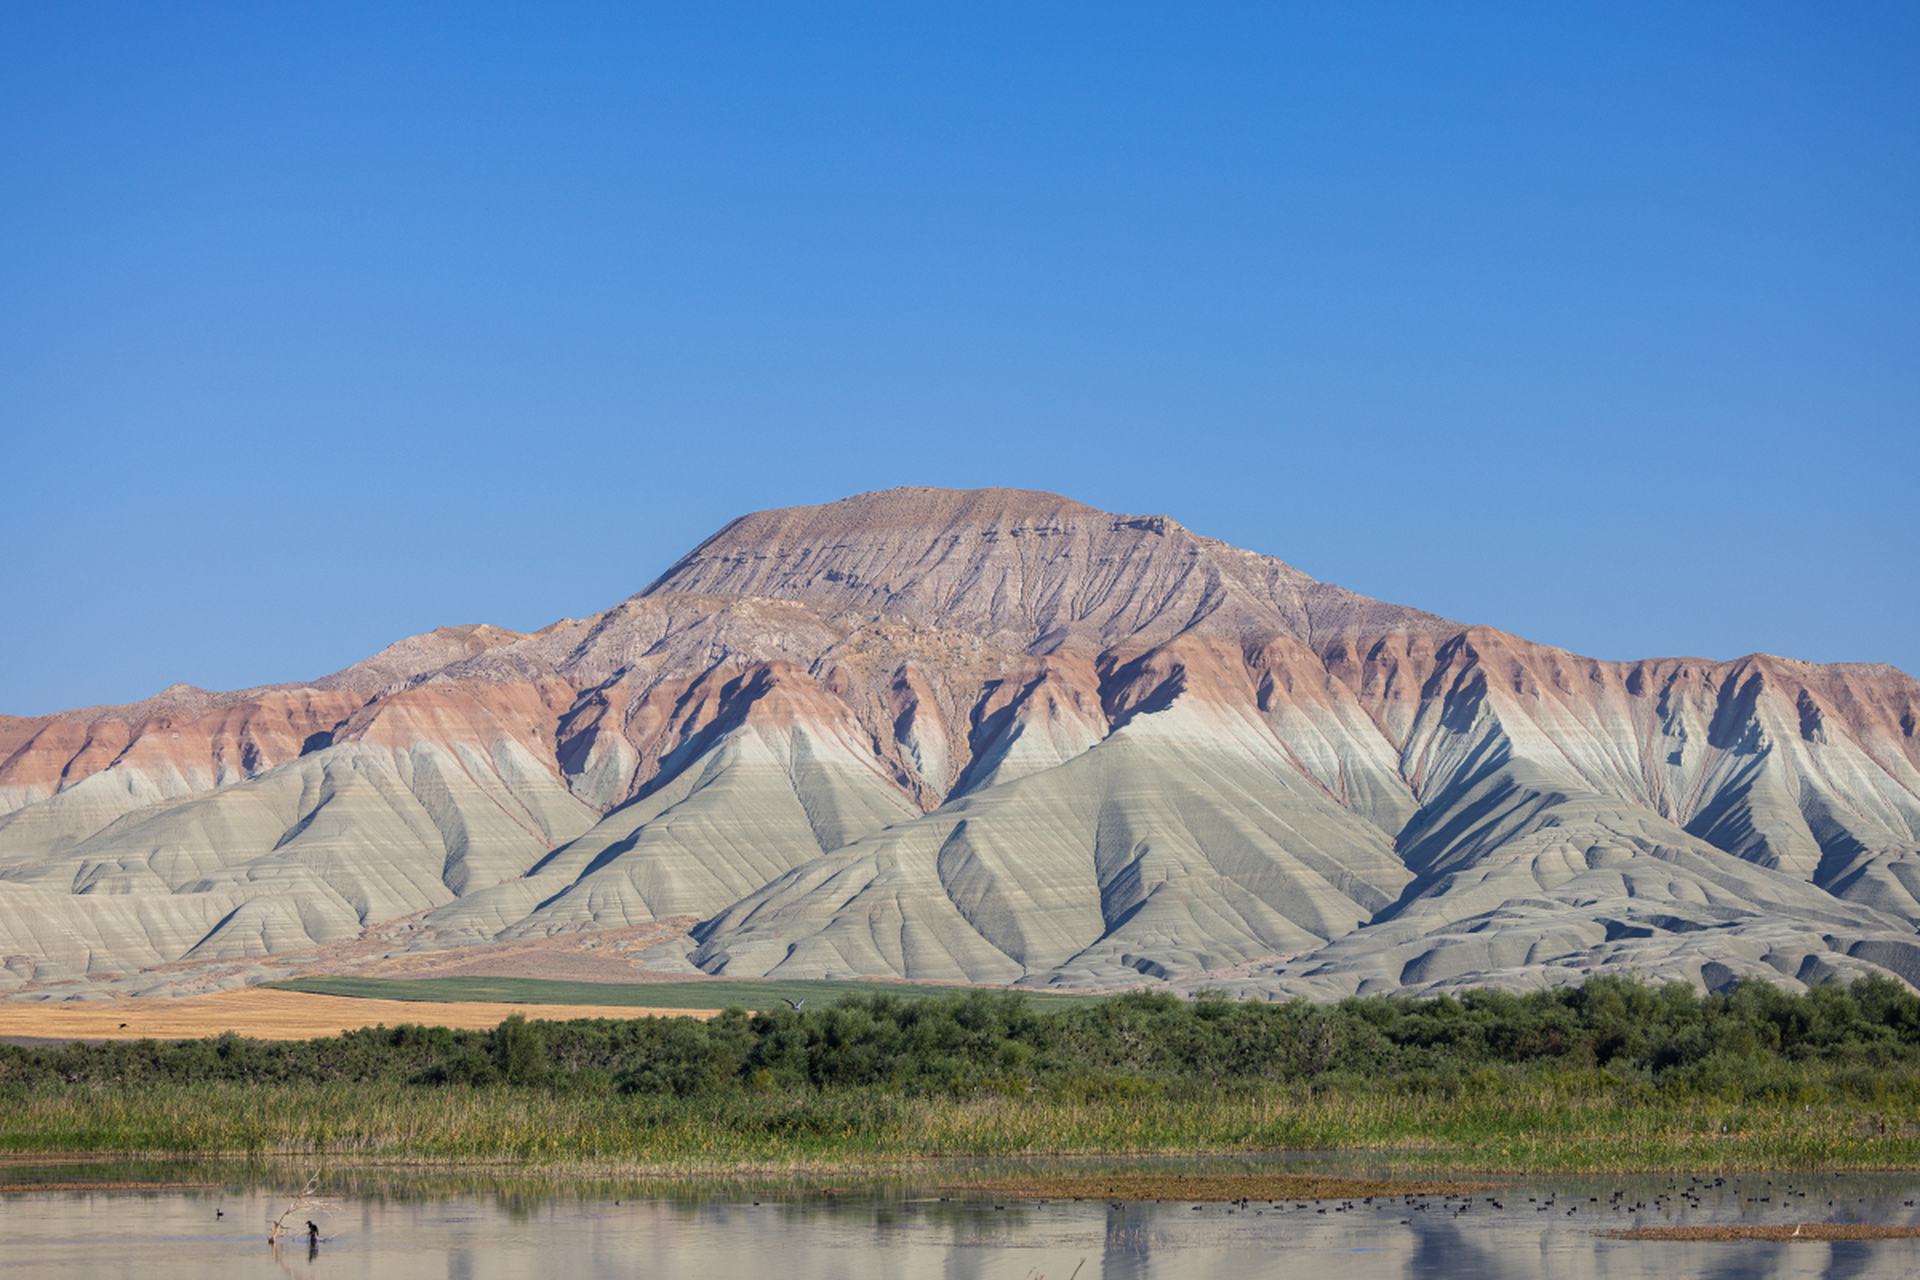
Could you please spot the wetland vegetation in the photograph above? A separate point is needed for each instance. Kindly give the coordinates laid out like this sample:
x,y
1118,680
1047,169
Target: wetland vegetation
x,y
1611,1076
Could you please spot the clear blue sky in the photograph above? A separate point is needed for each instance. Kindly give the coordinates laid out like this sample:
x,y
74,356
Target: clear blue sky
x,y
325,324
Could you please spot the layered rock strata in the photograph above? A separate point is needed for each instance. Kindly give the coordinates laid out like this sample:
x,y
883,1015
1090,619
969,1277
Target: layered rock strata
x,y
990,736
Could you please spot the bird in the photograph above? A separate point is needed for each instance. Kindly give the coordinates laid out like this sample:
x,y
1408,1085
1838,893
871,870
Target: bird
x,y
795,1004
123,1026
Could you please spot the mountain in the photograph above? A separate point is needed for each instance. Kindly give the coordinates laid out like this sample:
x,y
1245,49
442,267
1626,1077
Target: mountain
x,y
991,736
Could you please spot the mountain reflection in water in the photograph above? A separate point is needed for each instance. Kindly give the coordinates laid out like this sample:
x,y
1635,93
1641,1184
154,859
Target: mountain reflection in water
x,y
385,1225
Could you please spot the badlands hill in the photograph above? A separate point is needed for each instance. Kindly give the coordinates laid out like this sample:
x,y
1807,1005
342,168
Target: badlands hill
x,y
992,736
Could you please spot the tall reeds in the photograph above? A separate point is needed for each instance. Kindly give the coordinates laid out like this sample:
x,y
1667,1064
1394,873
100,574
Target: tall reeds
x,y
1519,1131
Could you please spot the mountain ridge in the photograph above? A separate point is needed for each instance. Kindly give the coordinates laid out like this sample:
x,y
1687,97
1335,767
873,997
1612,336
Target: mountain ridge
x,y
989,735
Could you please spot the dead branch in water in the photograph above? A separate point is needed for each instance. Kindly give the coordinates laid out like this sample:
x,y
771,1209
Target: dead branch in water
x,y
307,1201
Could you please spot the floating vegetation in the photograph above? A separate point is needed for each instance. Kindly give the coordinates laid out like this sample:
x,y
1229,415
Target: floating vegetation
x,y
110,1184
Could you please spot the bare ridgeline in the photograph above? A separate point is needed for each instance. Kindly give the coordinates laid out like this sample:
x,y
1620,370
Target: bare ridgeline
x,y
991,737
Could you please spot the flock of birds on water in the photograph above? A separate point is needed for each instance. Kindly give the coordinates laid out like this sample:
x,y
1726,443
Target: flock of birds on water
x,y
1454,1205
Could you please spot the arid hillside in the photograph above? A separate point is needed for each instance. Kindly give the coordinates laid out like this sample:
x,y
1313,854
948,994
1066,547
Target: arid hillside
x,y
988,736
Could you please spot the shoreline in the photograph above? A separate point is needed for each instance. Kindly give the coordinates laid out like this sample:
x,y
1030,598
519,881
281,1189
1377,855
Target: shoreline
x,y
1268,1176
1374,1166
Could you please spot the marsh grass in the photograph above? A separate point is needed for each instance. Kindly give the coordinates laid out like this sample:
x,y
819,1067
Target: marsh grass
x,y
1519,1132
1613,1077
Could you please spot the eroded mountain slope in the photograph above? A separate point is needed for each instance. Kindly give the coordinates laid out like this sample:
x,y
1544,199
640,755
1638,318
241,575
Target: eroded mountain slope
x,y
988,736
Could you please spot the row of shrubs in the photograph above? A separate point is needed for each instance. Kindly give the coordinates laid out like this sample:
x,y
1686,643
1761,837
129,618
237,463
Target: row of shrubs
x,y
1752,1040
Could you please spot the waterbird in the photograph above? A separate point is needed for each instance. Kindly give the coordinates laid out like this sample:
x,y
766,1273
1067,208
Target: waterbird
x,y
795,1004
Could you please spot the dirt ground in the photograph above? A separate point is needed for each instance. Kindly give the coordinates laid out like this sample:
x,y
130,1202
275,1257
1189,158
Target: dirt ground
x,y
272,1015
595,955
1772,1231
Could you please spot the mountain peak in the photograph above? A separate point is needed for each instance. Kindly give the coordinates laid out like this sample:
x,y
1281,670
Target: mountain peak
x,y
1013,566
907,506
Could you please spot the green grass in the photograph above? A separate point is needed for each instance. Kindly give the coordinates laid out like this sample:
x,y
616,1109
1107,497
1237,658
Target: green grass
x,y
708,994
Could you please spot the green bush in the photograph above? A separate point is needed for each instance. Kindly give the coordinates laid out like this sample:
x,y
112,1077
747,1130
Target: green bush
x,y
1612,1037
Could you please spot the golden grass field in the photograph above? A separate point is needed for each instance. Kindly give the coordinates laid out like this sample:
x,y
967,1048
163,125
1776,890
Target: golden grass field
x,y
276,1015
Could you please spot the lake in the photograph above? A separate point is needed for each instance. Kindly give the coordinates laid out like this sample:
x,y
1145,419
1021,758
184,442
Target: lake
x,y
468,1228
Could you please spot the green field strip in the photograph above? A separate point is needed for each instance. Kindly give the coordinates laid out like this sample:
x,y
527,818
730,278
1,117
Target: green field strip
x,y
713,994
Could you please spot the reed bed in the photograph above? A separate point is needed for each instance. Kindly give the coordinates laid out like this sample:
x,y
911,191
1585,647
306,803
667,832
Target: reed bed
x,y
1613,1077
1518,1132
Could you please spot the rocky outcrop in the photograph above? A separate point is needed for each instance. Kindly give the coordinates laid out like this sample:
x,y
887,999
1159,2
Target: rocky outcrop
x,y
991,736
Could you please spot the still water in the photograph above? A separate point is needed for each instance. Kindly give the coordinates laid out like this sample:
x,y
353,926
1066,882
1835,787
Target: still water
x,y
390,1226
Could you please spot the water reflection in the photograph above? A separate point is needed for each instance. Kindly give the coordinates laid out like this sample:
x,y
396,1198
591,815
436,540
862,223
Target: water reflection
x,y
382,1224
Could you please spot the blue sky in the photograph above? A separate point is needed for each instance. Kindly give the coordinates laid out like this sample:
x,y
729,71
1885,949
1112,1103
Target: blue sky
x,y
323,324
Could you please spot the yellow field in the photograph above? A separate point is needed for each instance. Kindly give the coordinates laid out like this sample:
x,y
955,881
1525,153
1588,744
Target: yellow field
x,y
276,1015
